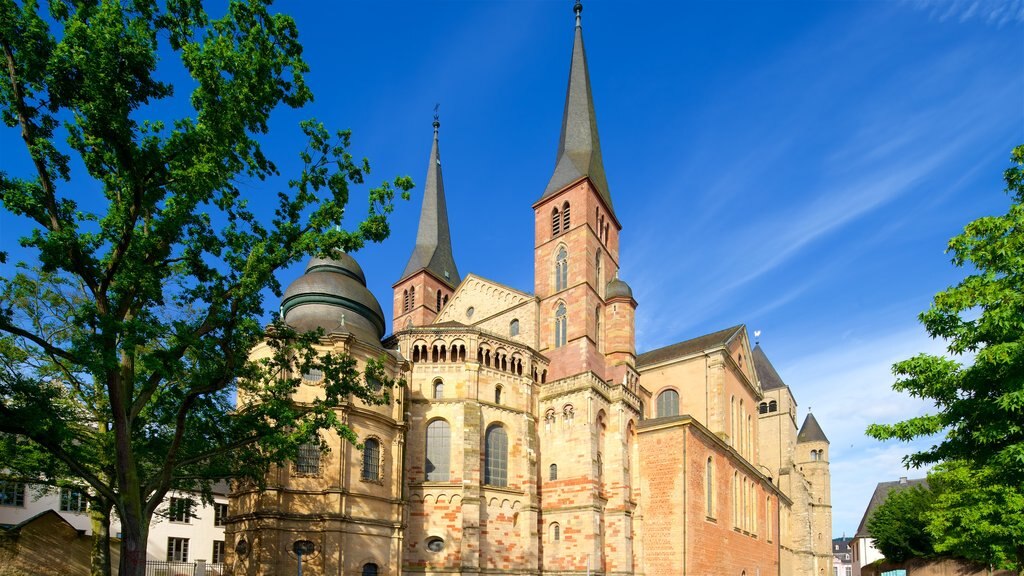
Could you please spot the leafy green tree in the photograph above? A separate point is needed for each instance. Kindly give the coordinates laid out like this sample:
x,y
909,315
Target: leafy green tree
x,y
125,342
897,526
979,405
976,516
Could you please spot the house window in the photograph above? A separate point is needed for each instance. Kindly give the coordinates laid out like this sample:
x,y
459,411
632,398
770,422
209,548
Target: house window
x,y
177,549
561,269
668,403
438,389
370,569
438,450
218,552
513,328
12,493
220,514
307,461
553,472
561,325
73,500
180,510
371,459
496,456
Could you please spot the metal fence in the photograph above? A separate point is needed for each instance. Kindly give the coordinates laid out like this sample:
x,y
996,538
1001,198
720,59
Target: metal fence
x,y
158,568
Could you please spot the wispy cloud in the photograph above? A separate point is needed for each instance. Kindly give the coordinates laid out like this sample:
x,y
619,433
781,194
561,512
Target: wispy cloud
x,y
995,12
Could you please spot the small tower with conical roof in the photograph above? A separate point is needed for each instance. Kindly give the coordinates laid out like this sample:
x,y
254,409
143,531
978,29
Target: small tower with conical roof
x,y
812,459
431,276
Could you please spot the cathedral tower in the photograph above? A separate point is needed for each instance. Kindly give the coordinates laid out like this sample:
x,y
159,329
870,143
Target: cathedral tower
x,y
812,459
431,276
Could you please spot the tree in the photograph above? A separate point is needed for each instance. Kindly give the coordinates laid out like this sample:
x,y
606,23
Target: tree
x,y
979,405
124,342
897,526
976,516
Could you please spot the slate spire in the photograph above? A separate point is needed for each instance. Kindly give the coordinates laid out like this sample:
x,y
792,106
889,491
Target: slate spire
x,y
433,251
811,431
579,148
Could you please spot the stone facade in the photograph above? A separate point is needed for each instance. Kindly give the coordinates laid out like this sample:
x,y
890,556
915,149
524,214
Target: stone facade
x,y
530,437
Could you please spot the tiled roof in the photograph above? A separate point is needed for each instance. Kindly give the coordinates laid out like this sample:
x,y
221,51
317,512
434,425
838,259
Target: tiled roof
x,y
881,493
766,373
688,347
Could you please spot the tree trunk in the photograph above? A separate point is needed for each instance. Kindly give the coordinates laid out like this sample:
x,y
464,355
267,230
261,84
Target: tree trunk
x,y
1020,559
99,519
134,533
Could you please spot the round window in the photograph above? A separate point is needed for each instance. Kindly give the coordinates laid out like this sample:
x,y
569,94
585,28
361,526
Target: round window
x,y
435,544
469,312
242,548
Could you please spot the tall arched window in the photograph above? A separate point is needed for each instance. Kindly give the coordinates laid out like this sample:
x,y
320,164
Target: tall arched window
x,y
597,272
496,456
438,391
438,450
556,532
668,403
438,300
561,325
565,217
553,472
412,297
597,329
556,222
561,269
405,301
736,498
371,459
709,488
497,394
370,569
513,328
768,518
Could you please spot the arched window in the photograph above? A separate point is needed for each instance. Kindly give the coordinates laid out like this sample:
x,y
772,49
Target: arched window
x,y
513,328
445,301
370,569
668,403
773,406
556,222
438,300
497,394
496,456
709,488
556,532
815,455
736,499
762,408
412,297
553,472
438,391
597,328
561,325
597,272
405,301
438,450
371,459
561,269
565,217
768,518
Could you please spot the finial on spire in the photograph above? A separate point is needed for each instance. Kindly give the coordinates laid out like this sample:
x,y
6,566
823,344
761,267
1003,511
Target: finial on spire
x,y
577,8
437,122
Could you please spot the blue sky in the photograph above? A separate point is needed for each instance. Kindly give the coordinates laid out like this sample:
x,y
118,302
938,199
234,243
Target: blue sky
x,y
797,167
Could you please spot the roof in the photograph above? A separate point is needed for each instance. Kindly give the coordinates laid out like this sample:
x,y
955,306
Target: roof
x,y
579,148
769,378
688,347
433,251
811,431
882,491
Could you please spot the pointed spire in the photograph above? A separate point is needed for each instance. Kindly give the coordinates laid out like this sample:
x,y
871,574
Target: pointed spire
x,y
811,430
433,251
579,148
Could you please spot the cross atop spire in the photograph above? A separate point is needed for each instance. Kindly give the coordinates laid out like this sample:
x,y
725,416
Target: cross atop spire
x,y
433,251
579,148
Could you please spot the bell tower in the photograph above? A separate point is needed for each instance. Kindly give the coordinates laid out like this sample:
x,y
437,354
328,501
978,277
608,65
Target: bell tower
x,y
431,276
576,245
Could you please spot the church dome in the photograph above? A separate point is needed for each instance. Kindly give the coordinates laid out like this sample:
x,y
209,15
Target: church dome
x,y
617,289
332,295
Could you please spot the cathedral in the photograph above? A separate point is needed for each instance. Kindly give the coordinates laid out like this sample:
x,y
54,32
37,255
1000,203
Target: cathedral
x,y
529,436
